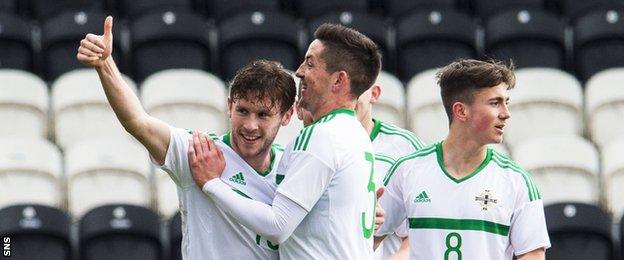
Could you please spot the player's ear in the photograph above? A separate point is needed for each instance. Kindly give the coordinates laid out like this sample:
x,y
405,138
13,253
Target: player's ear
x,y
460,111
340,80
229,107
286,116
375,93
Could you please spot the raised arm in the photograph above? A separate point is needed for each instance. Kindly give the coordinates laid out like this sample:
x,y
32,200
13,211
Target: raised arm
x,y
95,51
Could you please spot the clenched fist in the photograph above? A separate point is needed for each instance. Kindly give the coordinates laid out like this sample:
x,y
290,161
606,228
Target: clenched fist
x,y
95,49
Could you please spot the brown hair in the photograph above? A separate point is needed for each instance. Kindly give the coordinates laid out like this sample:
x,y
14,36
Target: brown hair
x,y
262,79
349,50
462,78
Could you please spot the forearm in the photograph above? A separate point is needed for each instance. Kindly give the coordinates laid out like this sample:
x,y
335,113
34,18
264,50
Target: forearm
x,y
275,222
537,254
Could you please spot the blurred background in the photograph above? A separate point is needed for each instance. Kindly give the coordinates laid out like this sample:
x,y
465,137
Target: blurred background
x,y
74,185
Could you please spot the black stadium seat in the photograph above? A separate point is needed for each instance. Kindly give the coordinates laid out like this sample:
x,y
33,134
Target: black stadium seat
x,y
220,9
257,35
598,42
60,38
531,38
8,6
431,39
398,8
16,43
46,9
311,8
120,232
578,231
36,232
175,237
371,26
133,9
168,40
487,8
574,9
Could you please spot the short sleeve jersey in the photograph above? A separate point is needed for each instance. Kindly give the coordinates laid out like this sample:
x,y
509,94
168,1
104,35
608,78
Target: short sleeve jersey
x,y
329,172
391,143
493,213
208,233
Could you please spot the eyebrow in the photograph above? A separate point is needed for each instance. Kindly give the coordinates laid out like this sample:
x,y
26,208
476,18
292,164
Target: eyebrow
x,y
498,99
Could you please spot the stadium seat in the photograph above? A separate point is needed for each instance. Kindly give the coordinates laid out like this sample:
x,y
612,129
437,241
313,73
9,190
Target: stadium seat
x,y
16,43
106,171
186,98
561,176
175,237
431,39
530,38
398,8
544,102
604,106
46,9
132,9
390,107
578,231
24,99
8,6
371,26
613,175
573,9
81,111
487,8
427,117
257,35
60,38
169,40
120,231
598,42
37,232
30,172
220,9
308,9
166,195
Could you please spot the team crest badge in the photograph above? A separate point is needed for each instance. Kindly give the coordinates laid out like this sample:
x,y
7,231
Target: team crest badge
x,y
486,200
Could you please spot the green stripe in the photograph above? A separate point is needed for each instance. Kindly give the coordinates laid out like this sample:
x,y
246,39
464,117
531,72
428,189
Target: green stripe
x,y
241,193
419,153
506,163
384,158
300,138
393,130
306,140
459,224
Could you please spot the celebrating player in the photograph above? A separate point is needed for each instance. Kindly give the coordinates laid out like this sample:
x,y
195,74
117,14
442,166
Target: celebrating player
x,y
324,208
462,200
260,100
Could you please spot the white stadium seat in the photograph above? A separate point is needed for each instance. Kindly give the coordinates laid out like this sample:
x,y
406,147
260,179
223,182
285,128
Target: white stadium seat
x,y
166,193
544,102
106,171
390,107
427,118
187,98
24,103
30,172
565,168
604,103
613,174
81,110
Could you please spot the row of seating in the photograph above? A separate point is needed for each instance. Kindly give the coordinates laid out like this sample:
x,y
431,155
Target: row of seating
x,y
416,42
120,231
42,9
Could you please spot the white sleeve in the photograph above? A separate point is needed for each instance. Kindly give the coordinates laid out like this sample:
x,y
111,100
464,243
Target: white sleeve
x,y
276,223
306,179
528,225
176,160
392,203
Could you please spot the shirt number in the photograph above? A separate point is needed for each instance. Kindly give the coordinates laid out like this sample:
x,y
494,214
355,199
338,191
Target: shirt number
x,y
368,230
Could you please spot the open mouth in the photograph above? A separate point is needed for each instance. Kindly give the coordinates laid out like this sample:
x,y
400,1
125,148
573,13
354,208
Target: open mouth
x,y
250,138
500,128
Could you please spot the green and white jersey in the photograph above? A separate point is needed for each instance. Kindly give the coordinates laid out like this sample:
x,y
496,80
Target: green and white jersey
x,y
493,213
328,171
208,233
391,143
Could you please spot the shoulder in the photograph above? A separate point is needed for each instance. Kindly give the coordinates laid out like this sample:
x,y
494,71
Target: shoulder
x,y
400,136
506,165
410,161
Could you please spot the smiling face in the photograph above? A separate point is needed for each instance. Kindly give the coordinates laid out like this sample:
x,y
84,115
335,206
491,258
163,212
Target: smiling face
x,y
487,115
254,126
316,81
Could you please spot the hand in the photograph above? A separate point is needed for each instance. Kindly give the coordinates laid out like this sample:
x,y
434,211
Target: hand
x,y
205,159
379,212
95,49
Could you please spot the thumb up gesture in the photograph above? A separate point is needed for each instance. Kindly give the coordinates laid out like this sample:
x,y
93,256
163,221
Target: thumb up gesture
x,y
95,49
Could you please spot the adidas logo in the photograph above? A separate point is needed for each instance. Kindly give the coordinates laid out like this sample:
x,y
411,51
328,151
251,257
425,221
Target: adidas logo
x,y
238,178
422,197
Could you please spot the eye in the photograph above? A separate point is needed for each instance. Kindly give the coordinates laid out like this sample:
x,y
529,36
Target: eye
x,y
242,111
263,114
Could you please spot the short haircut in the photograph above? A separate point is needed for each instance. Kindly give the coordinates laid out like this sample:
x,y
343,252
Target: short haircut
x,y
349,50
262,79
461,79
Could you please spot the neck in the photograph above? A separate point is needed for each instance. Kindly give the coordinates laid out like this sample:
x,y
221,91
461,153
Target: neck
x,y
368,123
462,155
261,162
328,107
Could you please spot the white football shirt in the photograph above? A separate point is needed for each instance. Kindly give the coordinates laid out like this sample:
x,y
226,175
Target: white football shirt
x,y
493,213
208,233
329,172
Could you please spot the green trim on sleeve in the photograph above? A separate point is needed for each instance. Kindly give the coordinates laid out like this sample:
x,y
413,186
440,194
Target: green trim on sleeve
x,y
407,135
